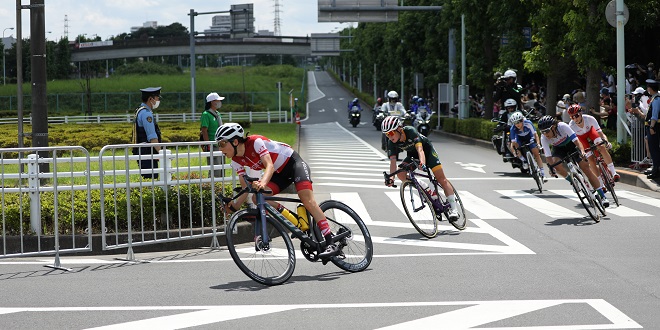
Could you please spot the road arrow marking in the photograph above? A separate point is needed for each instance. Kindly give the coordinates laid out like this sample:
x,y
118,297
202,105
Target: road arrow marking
x,y
472,167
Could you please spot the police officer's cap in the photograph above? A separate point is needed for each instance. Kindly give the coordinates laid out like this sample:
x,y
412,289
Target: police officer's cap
x,y
150,91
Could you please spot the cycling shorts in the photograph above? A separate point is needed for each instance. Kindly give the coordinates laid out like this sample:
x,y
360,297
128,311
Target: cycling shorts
x,y
589,137
523,140
563,151
432,161
295,171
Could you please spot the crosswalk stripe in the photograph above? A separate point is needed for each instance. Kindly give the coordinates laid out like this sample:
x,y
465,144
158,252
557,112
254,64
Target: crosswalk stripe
x,y
622,211
322,161
360,174
353,200
481,208
322,156
638,198
543,206
395,197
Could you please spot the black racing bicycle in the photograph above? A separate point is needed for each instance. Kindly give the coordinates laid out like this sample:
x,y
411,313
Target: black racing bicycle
x,y
534,168
258,241
581,185
422,209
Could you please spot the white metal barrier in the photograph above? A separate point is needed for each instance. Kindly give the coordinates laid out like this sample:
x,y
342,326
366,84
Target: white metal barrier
x,y
46,186
48,198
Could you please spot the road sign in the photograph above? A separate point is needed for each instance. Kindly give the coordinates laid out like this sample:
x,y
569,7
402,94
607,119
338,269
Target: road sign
x,y
325,44
367,11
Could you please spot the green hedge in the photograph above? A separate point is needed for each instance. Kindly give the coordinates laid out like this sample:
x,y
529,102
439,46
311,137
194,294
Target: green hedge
x,y
181,200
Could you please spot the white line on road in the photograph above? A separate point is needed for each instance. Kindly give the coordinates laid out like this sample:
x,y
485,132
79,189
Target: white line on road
x,y
550,209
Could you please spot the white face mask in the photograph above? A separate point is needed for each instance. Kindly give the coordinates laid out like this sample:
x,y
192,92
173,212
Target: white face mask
x,y
156,105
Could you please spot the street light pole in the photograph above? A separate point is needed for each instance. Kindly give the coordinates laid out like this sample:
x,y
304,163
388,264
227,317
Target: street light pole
x,y
3,55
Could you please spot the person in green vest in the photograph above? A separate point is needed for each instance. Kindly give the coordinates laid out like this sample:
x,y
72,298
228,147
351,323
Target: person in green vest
x,y
209,123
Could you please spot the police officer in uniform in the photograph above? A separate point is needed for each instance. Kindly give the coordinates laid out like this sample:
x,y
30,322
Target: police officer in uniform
x,y
145,130
653,127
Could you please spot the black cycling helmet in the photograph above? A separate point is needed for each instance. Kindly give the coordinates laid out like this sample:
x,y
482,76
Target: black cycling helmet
x,y
546,122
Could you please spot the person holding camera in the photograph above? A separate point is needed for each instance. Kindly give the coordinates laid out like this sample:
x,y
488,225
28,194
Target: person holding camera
x,y
637,105
653,123
507,88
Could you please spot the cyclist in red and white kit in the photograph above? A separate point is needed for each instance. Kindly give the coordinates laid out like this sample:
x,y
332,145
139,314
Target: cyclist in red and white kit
x,y
281,165
587,129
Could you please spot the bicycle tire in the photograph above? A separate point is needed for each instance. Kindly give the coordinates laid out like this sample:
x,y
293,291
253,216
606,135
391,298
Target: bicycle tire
x,y
358,251
270,266
424,218
462,218
608,181
585,196
534,170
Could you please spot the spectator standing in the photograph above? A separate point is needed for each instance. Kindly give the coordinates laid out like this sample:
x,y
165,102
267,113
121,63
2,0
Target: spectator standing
x,y
638,107
210,120
653,125
146,130
562,105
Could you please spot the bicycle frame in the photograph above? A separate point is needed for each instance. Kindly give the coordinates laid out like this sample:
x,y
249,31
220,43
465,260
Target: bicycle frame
x,y
264,209
439,204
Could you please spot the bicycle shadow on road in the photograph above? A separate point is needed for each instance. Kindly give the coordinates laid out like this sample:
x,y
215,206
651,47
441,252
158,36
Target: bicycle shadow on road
x,y
251,286
584,221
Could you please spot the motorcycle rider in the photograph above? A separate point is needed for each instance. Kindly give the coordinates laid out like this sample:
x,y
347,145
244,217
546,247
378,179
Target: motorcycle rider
x,y
507,88
523,132
376,109
414,104
393,107
354,103
511,107
422,116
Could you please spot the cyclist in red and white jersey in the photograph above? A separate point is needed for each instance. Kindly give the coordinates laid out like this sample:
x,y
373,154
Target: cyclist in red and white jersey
x,y
564,142
281,166
587,130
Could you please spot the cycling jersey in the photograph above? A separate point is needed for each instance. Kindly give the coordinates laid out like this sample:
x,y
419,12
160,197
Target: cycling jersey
x,y
397,110
561,142
525,136
257,146
589,130
413,138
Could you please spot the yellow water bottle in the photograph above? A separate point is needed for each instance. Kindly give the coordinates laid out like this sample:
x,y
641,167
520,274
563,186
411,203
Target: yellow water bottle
x,y
290,216
303,219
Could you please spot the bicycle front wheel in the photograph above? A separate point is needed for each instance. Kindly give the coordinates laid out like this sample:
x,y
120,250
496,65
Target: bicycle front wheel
x,y
608,181
534,170
269,262
585,196
419,209
357,247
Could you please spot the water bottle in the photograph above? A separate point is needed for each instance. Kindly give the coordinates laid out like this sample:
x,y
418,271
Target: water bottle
x,y
303,220
287,214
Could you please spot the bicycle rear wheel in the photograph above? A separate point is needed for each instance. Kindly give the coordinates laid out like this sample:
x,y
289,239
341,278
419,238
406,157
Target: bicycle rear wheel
x,y
269,263
534,170
585,196
357,248
462,218
419,209
608,181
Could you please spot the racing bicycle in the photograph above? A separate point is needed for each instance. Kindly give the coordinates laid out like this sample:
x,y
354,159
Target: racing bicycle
x,y
605,175
422,209
268,256
534,168
581,185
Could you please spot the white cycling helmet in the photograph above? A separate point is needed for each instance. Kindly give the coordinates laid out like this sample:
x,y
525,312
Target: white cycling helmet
x,y
390,123
516,117
509,74
510,103
229,131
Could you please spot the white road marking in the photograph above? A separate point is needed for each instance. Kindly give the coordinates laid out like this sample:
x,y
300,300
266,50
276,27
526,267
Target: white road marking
x,y
469,315
481,208
543,206
622,211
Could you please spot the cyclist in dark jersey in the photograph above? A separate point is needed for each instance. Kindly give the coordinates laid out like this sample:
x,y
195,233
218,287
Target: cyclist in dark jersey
x,y
281,165
418,146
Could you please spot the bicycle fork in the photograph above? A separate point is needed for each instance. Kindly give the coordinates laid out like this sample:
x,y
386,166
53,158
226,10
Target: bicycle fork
x,y
261,239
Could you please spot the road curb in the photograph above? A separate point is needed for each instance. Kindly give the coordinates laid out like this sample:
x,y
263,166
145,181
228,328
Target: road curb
x,y
628,176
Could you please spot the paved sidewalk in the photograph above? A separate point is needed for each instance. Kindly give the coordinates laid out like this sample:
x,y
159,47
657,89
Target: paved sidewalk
x,y
628,176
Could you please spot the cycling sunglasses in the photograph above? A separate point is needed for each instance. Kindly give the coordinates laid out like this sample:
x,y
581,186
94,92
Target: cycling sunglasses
x,y
575,115
546,130
223,143
390,133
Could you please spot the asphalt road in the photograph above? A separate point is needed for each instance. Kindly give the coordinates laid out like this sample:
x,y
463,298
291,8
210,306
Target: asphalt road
x,y
527,260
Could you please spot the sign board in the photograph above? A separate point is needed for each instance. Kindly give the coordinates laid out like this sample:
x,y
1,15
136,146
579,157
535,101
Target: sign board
x,y
419,80
443,93
242,20
325,44
368,11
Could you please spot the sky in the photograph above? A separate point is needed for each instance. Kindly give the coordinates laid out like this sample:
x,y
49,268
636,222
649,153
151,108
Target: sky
x,y
106,18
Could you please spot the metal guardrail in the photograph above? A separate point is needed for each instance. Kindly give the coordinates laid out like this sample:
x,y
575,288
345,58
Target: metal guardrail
x,y
119,204
268,117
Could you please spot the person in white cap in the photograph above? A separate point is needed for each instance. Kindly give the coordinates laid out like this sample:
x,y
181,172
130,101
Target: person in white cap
x,y
209,123
638,106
